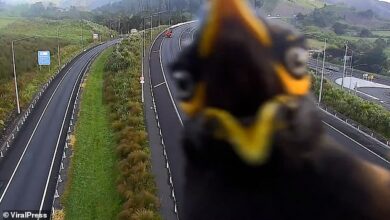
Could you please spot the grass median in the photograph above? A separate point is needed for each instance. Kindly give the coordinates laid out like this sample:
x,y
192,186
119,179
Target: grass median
x,y
91,189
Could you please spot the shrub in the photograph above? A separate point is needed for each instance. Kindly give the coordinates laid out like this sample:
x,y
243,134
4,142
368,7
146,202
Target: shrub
x,y
369,114
122,95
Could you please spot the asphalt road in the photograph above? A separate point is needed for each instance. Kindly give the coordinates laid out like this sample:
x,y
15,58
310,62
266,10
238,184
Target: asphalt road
x,y
378,95
28,174
170,117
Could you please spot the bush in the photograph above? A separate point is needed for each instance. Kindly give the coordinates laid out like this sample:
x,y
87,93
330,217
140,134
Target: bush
x,y
122,94
369,114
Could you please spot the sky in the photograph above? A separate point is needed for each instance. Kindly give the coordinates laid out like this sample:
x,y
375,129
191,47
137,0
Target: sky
x,y
28,1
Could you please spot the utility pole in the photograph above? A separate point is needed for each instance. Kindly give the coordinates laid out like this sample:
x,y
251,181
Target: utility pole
x,y
14,68
318,57
322,75
15,80
58,48
143,36
151,28
82,36
170,13
350,79
345,64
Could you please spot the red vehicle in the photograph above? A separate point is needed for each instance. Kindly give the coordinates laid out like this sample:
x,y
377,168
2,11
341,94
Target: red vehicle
x,y
168,33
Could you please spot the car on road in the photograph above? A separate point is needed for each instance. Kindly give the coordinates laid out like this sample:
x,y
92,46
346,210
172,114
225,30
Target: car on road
x,y
168,33
333,68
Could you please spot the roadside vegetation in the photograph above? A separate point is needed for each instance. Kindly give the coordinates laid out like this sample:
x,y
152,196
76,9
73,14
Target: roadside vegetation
x,y
90,190
369,114
365,32
30,77
122,94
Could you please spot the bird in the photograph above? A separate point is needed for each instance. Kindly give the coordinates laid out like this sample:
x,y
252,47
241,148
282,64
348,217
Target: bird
x,y
253,138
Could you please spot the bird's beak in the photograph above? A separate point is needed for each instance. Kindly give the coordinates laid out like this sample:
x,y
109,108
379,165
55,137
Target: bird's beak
x,y
231,10
252,144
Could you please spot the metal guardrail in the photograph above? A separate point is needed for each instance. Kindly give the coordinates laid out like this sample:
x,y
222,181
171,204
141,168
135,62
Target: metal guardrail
x,y
357,126
5,146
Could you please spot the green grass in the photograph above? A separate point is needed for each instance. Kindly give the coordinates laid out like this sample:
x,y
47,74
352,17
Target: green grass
x,y
353,38
311,4
5,21
382,33
70,30
91,191
30,77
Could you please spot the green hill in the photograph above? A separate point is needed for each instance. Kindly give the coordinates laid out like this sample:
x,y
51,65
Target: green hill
x,y
30,76
289,7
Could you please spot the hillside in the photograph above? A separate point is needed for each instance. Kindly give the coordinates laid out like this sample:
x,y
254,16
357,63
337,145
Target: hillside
x,y
290,7
30,76
357,19
84,4
380,7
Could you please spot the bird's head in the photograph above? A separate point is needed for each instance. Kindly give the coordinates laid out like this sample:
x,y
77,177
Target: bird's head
x,y
239,72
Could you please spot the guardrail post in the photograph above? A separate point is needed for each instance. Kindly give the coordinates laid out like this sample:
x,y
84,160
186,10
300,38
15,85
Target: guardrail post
x,y
7,144
56,195
1,154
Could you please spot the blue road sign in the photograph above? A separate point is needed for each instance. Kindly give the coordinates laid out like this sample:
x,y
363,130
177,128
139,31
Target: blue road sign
x,y
44,58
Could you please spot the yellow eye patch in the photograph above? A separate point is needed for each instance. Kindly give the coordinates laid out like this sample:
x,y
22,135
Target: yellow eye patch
x,y
293,86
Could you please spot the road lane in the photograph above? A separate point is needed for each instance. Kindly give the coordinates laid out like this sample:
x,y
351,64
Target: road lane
x,y
170,121
26,168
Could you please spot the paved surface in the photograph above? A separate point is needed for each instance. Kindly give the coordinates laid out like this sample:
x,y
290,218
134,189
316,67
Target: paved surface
x,y
28,174
164,51
378,92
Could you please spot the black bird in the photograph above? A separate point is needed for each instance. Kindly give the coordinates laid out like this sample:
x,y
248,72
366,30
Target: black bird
x,y
254,141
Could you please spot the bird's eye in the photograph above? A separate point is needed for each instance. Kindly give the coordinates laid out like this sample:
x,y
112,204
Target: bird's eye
x,y
296,61
184,83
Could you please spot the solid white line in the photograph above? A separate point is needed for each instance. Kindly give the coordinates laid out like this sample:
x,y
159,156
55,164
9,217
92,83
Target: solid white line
x,y
158,85
83,70
169,90
359,144
29,141
33,133
181,36
361,132
370,96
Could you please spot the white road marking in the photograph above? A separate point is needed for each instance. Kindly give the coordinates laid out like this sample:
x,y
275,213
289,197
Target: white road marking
x,y
359,144
160,84
181,36
35,129
169,90
83,70
370,96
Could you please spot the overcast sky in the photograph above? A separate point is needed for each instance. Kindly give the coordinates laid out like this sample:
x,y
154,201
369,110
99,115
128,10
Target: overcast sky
x,y
29,1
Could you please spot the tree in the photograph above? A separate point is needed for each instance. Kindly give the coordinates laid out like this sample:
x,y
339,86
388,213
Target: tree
x,y
365,33
37,9
380,43
340,28
369,14
300,16
2,5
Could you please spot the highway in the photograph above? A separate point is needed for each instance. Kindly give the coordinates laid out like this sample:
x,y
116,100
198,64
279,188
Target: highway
x,y
378,95
170,117
29,171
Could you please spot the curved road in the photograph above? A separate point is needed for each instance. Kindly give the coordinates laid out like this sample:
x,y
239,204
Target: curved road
x,y
28,173
170,118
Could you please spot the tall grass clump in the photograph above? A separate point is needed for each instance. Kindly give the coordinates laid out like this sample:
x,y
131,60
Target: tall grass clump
x,y
366,113
122,92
